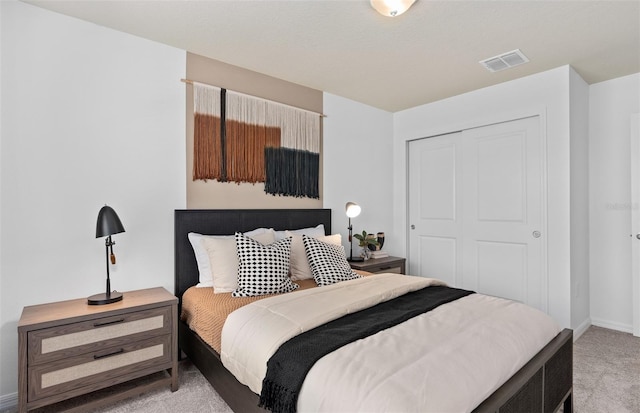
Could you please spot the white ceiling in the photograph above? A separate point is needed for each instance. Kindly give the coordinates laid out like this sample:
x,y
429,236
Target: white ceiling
x,y
346,48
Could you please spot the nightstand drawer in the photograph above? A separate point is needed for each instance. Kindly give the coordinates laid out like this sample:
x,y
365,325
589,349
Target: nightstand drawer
x,y
90,336
378,265
100,368
386,268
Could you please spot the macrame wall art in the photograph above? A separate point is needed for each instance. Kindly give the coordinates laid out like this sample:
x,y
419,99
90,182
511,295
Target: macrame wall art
x,y
241,138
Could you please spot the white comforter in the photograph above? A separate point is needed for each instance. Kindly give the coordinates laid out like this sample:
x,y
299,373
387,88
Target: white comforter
x,y
446,360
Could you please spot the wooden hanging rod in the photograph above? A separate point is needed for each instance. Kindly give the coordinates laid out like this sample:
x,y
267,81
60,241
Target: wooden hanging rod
x,y
192,82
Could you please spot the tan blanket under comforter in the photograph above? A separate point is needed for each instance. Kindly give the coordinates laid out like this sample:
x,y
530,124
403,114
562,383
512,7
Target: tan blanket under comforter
x,y
205,312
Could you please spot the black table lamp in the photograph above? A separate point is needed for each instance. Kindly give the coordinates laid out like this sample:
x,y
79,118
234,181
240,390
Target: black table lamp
x,y
108,224
353,210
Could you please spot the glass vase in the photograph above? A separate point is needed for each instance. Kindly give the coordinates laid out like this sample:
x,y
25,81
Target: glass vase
x,y
365,253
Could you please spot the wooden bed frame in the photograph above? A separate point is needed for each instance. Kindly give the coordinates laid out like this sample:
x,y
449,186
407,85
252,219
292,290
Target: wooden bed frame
x,y
544,384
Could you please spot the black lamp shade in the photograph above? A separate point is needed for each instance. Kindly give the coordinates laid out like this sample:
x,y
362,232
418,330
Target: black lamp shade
x,y
108,222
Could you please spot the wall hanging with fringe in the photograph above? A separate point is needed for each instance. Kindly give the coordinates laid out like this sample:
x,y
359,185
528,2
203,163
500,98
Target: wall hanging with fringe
x,y
241,138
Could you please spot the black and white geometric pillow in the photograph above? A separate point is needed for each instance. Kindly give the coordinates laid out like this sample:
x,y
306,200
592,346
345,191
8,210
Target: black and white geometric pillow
x,y
328,262
262,269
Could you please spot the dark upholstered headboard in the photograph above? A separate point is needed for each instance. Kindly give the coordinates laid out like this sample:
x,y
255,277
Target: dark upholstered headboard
x,y
227,222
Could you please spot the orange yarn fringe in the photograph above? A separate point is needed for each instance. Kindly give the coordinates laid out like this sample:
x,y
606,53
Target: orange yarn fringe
x,y
245,144
207,149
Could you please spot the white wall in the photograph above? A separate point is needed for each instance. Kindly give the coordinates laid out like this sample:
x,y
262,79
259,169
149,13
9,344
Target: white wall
x,y
579,158
89,116
545,94
610,105
358,167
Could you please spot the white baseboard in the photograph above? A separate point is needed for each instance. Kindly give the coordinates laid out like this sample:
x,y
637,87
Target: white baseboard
x,y
612,325
9,401
578,331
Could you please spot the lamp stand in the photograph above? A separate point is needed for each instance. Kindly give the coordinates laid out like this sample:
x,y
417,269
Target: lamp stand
x,y
351,259
109,296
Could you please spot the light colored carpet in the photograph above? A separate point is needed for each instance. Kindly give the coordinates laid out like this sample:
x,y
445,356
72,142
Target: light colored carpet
x,y
606,378
606,372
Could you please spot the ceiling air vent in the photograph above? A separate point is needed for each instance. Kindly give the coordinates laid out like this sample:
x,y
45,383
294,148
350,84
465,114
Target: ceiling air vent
x,y
504,61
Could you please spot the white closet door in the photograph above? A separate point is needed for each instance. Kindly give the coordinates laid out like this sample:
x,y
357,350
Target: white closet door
x,y
502,187
478,210
434,208
635,221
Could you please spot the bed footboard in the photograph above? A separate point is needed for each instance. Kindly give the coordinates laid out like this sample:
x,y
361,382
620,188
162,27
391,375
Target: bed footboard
x,y
542,385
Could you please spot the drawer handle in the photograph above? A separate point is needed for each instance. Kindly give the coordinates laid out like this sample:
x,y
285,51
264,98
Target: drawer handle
x,y
113,353
385,268
120,320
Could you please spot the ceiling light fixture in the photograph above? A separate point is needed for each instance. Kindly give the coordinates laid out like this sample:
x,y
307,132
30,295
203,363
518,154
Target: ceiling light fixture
x,y
391,8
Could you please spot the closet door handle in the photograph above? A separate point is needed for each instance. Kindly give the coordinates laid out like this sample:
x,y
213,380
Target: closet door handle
x,y
536,234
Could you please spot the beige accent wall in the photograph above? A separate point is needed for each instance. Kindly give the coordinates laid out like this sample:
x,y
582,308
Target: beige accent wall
x,y
213,194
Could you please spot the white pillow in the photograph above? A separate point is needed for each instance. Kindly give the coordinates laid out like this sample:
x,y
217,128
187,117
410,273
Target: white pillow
x,y
202,257
223,257
317,231
299,267
264,269
328,262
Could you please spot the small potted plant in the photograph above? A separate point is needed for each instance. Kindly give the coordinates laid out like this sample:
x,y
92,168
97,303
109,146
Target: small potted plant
x,y
366,240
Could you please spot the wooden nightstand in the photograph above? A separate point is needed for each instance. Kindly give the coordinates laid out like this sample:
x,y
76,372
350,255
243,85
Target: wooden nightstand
x,y
70,348
387,264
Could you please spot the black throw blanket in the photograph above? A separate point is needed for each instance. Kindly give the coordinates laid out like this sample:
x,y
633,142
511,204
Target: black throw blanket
x,y
289,365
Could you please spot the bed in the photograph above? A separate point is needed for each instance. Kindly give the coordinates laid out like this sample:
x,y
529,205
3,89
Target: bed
x,y
543,384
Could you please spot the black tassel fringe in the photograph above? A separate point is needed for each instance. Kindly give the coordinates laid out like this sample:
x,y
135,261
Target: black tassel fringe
x,y
277,398
292,172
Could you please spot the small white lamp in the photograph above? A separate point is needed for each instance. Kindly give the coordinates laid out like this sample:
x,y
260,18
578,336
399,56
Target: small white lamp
x,y
353,210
